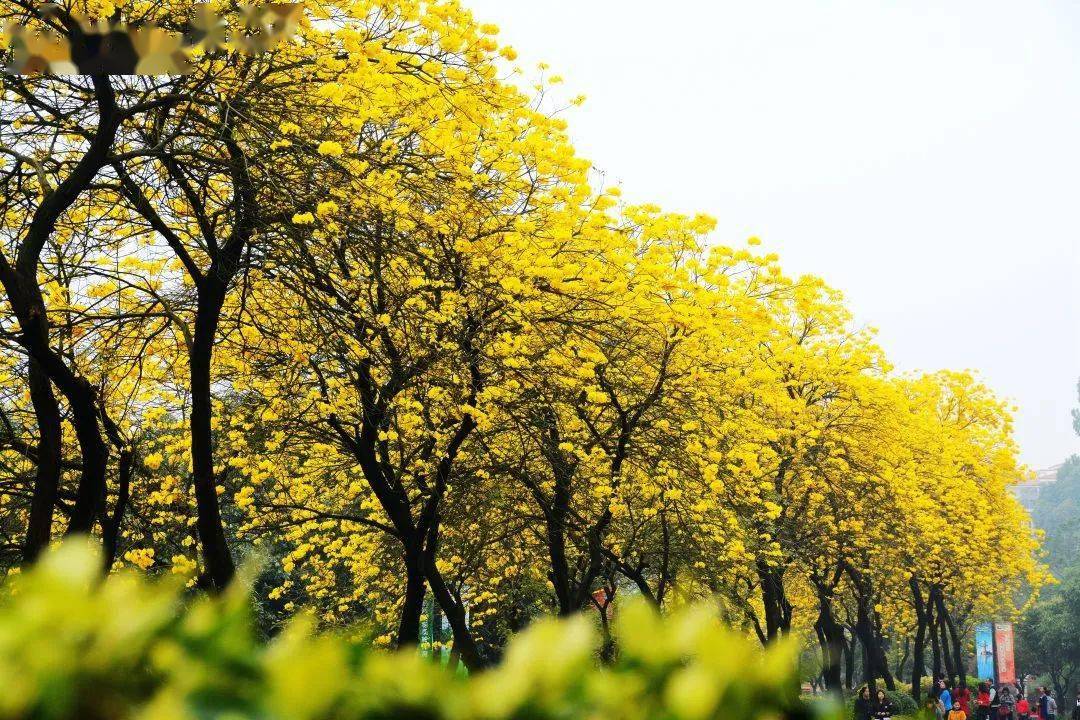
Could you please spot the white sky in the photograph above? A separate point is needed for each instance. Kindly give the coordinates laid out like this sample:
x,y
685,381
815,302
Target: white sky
x,y
923,157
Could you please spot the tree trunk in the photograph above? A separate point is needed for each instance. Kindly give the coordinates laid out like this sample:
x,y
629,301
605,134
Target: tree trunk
x,y
47,478
215,549
111,529
849,662
919,657
868,630
412,607
452,607
946,650
212,287
27,303
831,640
935,641
607,649
954,638
774,598
559,574
436,632
454,661
899,672
869,674
882,658
665,560
90,495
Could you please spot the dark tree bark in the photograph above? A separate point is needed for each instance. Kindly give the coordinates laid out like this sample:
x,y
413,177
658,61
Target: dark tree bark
x,y
90,495
849,662
573,589
778,608
451,605
869,674
866,628
20,281
436,633
879,646
935,639
408,633
830,634
418,535
215,549
48,458
919,659
573,586
899,672
960,673
831,639
212,287
112,526
608,649
556,512
943,640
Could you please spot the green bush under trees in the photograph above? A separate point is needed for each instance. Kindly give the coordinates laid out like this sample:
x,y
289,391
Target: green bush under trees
x,y
74,644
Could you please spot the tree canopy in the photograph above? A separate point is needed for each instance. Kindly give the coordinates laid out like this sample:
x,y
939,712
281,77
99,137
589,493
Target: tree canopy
x,y
356,302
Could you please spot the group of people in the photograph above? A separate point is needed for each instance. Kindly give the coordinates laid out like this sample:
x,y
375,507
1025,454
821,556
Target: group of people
x,y
992,702
989,702
879,707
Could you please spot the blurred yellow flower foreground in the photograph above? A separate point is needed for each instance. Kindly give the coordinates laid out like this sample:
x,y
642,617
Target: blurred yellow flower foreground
x,y
76,645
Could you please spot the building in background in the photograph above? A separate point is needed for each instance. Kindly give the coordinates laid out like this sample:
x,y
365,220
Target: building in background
x,y
1028,491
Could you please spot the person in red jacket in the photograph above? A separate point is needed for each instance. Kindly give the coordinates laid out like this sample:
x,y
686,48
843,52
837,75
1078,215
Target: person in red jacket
x,y
982,702
1023,709
963,696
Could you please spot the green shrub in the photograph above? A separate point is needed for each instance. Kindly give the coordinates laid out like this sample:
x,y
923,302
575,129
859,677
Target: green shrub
x,y
75,646
903,702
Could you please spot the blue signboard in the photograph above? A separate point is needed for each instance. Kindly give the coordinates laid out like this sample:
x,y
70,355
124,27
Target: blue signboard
x,y
984,650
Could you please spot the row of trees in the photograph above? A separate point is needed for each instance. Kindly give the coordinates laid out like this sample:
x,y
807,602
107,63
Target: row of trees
x,y
357,302
1048,635
1047,638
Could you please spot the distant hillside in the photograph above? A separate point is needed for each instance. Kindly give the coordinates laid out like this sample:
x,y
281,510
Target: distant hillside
x,y
1056,510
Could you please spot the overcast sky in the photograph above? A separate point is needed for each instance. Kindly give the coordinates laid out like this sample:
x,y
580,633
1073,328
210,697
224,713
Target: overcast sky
x,y
922,157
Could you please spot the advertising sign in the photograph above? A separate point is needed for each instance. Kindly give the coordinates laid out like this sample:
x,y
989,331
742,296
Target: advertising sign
x,y
1003,647
984,650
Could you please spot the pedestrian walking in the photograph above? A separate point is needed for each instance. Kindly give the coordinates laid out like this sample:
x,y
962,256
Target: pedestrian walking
x,y
957,713
1041,702
1051,706
1076,708
1023,709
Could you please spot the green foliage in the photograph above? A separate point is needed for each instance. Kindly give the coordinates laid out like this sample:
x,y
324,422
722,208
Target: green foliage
x,y
903,702
1076,413
75,645
1047,640
1057,511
